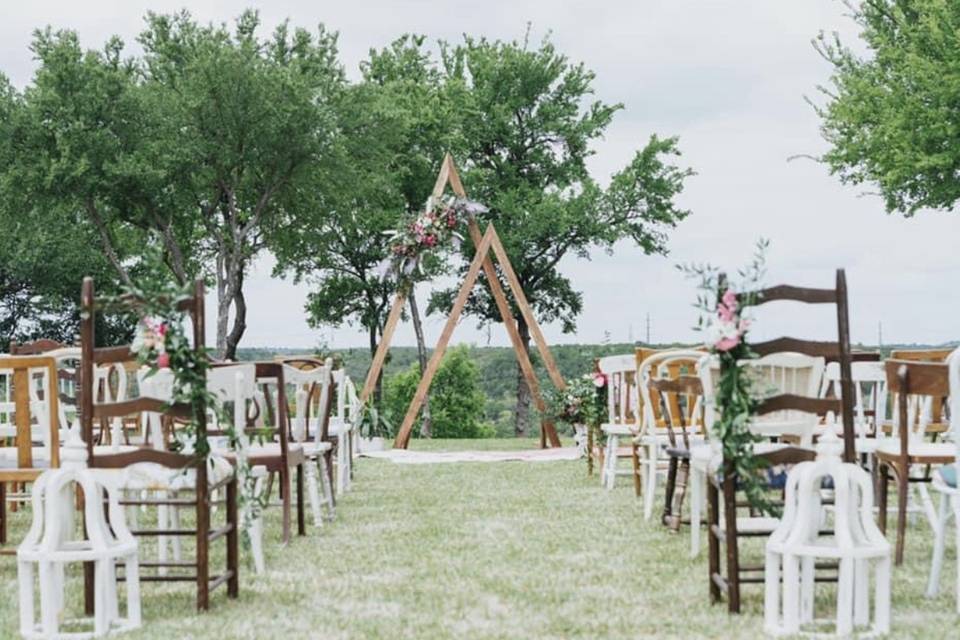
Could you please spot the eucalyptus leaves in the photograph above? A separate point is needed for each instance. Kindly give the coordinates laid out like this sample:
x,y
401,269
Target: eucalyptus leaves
x,y
725,324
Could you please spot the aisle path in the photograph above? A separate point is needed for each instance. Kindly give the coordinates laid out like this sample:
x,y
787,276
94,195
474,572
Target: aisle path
x,y
501,550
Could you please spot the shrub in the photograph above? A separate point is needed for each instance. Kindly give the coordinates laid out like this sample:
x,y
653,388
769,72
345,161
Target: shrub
x,y
457,404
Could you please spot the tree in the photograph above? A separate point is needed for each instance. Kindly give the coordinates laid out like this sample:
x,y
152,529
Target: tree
x,y
201,147
394,129
892,117
527,133
458,400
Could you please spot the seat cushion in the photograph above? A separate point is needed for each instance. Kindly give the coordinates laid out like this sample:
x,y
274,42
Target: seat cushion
x,y
948,473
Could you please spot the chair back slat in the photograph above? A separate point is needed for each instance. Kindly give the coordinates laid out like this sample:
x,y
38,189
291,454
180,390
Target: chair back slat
x,y
622,398
813,348
124,358
796,294
29,384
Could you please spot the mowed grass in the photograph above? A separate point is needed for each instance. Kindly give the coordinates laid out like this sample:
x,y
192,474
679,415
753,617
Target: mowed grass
x,y
488,550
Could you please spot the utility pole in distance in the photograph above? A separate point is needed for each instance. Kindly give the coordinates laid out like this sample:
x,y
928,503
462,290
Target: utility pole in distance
x,y
648,327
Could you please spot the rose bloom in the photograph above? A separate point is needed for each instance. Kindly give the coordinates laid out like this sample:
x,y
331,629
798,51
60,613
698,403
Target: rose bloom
x,y
599,380
163,360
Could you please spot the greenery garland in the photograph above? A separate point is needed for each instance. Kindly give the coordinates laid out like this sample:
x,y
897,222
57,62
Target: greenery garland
x,y
725,325
160,342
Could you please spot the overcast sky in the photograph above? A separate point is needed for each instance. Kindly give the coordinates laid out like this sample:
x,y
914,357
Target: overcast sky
x,y
729,78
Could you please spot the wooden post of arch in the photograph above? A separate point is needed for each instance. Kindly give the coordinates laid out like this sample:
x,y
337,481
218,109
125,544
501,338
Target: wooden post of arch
x,y
484,243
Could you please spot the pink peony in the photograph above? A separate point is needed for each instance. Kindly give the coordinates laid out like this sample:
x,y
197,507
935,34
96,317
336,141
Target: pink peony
x,y
599,380
725,344
725,313
163,360
430,240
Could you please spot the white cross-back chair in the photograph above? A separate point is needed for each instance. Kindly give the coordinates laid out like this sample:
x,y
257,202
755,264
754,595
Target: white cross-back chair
x,y
622,419
311,407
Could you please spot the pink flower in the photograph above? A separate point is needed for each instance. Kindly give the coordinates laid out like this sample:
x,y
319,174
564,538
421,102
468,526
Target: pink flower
x,y
725,344
725,313
161,329
163,360
730,299
599,380
430,240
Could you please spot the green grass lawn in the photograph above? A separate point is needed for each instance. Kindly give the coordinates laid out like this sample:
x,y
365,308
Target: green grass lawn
x,y
488,550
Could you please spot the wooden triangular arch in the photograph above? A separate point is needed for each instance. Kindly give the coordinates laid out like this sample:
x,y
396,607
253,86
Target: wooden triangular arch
x,y
485,243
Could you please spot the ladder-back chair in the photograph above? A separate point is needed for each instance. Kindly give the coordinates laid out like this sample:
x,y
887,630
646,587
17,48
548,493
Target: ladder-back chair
x,y
204,532
727,483
916,387
28,417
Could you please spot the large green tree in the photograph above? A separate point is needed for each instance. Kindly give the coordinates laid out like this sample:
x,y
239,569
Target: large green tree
x,y
528,126
200,147
394,128
892,116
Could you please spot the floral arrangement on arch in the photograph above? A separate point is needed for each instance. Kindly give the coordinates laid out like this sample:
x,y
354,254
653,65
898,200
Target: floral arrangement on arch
x,y
725,324
435,229
581,404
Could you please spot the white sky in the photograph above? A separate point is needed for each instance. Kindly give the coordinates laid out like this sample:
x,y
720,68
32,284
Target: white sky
x,y
727,77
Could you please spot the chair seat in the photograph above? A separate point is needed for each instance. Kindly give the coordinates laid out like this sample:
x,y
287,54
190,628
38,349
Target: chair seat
x,y
268,454
757,525
927,452
147,476
618,429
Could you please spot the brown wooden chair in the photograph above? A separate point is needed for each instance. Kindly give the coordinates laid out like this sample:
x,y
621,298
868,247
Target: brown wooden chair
x,y
679,421
727,483
35,348
278,452
917,386
22,461
203,487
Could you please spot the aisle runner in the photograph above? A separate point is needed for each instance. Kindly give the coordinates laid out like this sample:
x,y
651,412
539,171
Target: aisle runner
x,y
402,456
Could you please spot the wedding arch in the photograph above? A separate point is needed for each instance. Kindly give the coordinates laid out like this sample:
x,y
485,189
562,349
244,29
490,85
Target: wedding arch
x,y
485,243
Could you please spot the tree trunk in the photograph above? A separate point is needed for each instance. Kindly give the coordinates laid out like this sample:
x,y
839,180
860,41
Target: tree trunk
x,y
425,423
230,293
239,322
378,387
522,412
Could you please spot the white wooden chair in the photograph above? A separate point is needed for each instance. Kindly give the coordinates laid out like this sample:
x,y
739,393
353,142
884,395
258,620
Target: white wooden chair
x,y
623,420
312,408
793,373
870,400
654,437
945,483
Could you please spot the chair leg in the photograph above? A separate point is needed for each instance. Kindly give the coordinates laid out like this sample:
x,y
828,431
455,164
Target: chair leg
x,y
329,460
883,489
903,490
713,519
651,488
696,502
233,539
939,546
313,493
733,550
327,487
955,503
635,460
301,508
668,517
679,493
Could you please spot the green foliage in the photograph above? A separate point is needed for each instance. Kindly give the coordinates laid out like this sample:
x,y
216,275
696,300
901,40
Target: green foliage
x,y
456,399
527,131
394,130
736,396
192,155
892,117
